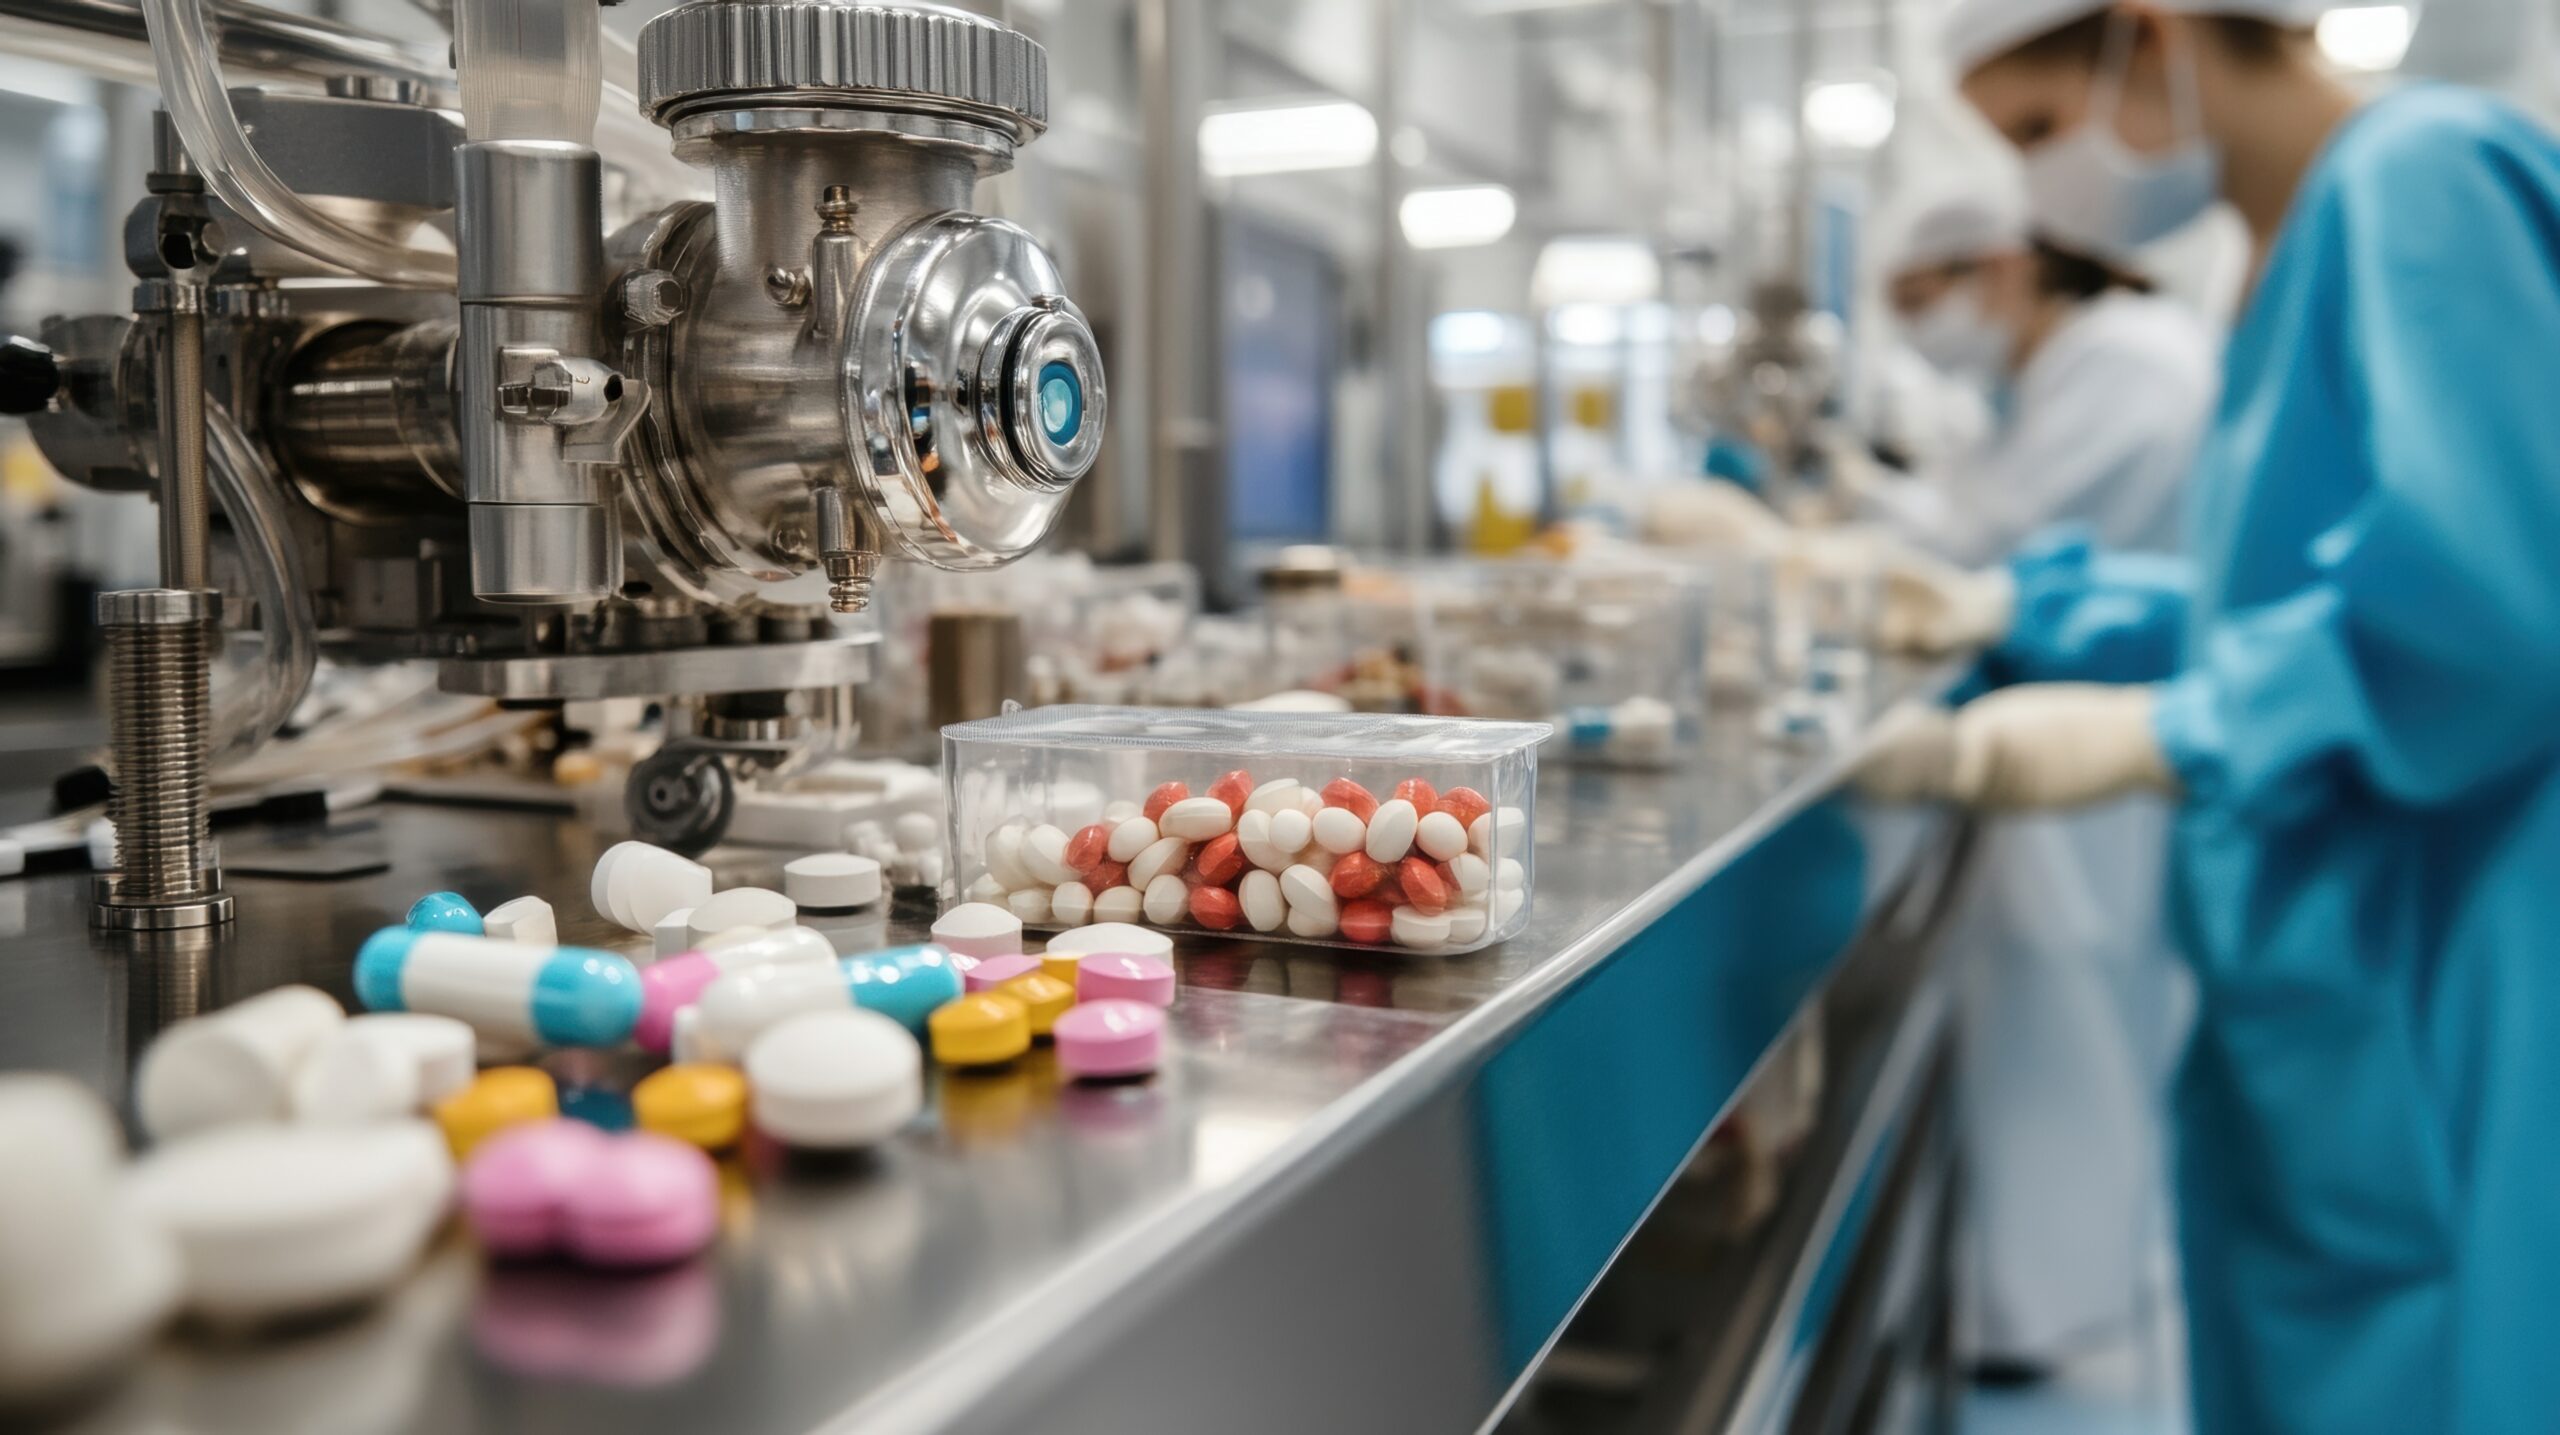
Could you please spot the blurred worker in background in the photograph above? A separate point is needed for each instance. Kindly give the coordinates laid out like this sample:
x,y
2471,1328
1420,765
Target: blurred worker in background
x,y
2100,388
2071,999
2352,689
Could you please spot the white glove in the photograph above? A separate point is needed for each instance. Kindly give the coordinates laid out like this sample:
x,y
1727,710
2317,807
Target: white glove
x,y
2037,746
1714,514
1930,607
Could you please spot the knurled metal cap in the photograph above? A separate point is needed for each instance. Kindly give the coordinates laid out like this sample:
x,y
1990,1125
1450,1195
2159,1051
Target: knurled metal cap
x,y
898,56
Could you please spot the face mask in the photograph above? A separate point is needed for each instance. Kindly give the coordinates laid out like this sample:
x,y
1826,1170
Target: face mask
x,y
2089,188
1956,336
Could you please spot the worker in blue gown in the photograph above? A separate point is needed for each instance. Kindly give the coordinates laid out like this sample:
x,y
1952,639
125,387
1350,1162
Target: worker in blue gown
x,y
2352,682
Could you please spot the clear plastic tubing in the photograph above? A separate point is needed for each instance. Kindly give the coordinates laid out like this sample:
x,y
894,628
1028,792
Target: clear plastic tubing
x,y
250,706
530,69
190,69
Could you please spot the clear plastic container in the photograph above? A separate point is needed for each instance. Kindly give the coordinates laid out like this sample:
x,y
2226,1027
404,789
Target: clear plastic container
x,y
1248,824
1614,657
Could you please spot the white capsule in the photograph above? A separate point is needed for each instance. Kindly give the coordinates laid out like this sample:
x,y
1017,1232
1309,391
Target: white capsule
x,y
761,908
1004,857
1030,906
1472,874
1044,855
1412,927
1132,836
1506,825
1164,855
1440,836
1339,830
1123,903
1166,897
1197,819
1072,904
232,1065
1312,924
635,884
1277,795
1253,838
1264,908
917,831
1307,888
1119,812
523,919
1466,926
1391,831
1291,831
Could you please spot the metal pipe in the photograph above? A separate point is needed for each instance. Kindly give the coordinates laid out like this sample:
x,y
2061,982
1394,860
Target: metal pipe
x,y
107,38
184,497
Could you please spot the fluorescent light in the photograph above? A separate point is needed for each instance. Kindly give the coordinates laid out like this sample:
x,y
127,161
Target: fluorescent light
x,y
1849,114
1286,138
1594,326
1457,216
1468,333
2366,37
1595,270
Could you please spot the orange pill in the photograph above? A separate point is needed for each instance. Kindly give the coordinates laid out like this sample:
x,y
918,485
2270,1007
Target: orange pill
x,y
1221,859
1164,797
1465,804
1089,848
1232,789
1368,922
1423,889
1357,875
1421,794
1350,796
1216,908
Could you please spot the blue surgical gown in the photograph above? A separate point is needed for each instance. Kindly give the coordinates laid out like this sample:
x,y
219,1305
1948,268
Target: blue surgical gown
x,y
2362,699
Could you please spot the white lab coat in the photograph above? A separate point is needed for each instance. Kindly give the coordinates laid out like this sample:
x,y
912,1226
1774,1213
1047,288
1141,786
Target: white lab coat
x,y
2072,1001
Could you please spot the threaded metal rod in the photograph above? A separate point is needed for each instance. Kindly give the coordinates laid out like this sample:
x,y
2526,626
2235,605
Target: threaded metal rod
x,y
158,647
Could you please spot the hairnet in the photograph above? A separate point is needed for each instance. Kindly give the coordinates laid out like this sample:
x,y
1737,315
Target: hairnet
x,y
1979,30
1951,222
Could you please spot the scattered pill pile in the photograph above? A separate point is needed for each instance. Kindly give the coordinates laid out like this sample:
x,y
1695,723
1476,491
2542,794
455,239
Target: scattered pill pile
x,y
1423,869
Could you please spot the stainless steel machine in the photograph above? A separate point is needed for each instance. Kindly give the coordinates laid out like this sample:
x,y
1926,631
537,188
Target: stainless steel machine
x,y
446,384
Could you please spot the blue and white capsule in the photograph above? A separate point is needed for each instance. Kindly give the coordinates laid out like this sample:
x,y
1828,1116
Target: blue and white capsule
x,y
445,912
510,991
904,984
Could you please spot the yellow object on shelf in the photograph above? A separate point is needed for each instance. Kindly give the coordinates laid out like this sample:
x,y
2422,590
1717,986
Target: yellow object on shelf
x,y
983,1029
700,1103
496,1099
1044,998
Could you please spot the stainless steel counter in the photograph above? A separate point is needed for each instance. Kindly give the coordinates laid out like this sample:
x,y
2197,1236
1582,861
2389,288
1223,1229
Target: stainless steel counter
x,y
1363,1195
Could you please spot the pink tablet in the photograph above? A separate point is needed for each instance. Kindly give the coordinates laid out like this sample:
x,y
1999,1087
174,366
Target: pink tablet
x,y
1110,1038
1112,976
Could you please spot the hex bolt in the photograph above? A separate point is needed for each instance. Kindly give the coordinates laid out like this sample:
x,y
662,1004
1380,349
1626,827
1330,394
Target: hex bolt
x,y
159,642
652,298
787,287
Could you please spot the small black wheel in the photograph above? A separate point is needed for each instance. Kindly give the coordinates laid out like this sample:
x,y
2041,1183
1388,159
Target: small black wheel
x,y
681,798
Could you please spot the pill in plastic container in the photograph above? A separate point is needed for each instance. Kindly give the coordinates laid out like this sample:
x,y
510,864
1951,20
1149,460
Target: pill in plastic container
x,y
834,1079
1103,1040
496,1099
1119,976
979,930
703,1103
981,1030
523,919
831,881
1123,905
275,1221
236,1064
760,908
672,985
994,972
1111,937
562,996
